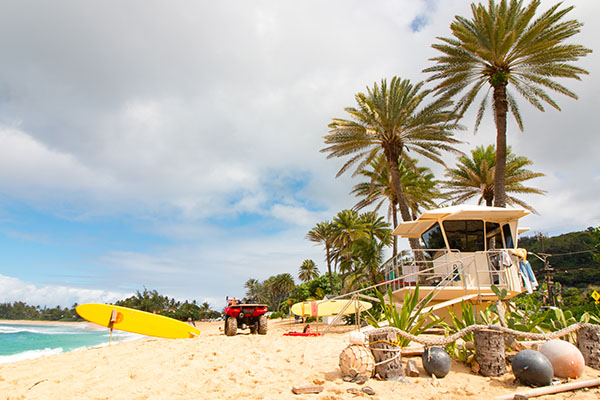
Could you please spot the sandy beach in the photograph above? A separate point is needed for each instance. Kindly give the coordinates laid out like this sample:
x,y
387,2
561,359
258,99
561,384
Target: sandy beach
x,y
214,366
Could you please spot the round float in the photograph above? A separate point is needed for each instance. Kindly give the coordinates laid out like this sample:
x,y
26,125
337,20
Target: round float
x,y
566,359
532,368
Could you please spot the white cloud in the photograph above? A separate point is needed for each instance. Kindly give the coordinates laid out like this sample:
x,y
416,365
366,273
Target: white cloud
x,y
12,289
182,113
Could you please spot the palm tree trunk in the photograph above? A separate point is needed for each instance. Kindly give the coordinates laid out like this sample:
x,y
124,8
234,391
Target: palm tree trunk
x,y
329,270
395,222
392,158
500,108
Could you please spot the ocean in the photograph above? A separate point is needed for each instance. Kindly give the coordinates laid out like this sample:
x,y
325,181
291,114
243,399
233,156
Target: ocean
x,y
21,342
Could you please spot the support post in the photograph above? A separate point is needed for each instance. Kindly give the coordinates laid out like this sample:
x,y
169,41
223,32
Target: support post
x,y
489,348
380,342
588,341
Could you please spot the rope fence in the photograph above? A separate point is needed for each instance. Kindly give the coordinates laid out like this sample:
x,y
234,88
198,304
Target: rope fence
x,y
469,329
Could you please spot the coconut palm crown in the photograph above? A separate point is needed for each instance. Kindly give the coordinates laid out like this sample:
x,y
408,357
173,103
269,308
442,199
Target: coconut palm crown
x,y
391,119
505,46
474,176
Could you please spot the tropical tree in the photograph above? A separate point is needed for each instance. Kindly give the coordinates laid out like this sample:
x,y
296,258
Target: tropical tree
x,y
390,119
255,290
474,176
323,233
277,288
348,227
505,46
420,187
365,255
308,271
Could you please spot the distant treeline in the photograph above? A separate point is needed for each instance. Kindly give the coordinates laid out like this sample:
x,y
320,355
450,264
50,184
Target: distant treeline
x,y
573,262
20,310
148,300
152,301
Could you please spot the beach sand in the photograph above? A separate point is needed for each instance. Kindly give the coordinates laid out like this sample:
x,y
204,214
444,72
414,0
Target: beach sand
x,y
214,366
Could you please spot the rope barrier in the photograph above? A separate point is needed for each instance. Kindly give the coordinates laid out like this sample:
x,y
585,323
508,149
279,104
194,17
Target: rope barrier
x,y
469,329
466,331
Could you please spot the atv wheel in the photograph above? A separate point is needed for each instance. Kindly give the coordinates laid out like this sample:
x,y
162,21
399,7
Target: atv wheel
x,y
262,325
230,326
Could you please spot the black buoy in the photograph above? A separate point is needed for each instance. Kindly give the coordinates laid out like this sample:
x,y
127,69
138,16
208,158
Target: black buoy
x,y
436,361
532,368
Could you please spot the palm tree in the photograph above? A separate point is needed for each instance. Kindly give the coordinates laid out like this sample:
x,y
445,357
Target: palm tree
x,y
391,119
505,44
323,233
419,184
278,288
255,290
367,258
308,271
348,227
475,176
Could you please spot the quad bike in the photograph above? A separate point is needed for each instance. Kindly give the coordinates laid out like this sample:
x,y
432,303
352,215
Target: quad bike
x,y
244,316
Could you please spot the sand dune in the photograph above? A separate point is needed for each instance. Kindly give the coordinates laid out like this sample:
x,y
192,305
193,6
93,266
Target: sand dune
x,y
214,366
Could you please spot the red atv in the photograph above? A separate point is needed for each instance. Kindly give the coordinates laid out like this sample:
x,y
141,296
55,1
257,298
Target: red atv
x,y
243,316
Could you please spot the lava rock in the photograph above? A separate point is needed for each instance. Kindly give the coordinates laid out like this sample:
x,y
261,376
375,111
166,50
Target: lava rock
x,y
532,368
436,361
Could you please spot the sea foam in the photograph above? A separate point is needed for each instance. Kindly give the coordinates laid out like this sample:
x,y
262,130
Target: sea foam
x,y
29,355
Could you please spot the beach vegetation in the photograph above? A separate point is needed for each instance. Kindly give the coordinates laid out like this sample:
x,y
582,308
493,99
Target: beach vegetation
x,y
474,177
411,318
508,48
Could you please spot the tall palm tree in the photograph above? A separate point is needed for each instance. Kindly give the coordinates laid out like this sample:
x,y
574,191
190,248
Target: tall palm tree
x,y
308,271
348,227
323,233
391,119
506,46
474,176
419,183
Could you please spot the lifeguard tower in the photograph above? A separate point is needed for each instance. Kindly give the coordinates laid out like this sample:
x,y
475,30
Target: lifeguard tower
x,y
466,250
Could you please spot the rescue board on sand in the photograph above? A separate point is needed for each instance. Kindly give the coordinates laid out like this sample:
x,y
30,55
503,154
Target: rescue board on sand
x,y
324,308
136,321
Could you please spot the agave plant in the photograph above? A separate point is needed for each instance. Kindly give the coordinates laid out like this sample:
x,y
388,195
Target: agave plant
x,y
410,319
559,319
464,353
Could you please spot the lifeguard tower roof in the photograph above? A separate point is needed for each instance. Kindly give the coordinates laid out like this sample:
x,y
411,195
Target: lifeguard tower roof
x,y
416,228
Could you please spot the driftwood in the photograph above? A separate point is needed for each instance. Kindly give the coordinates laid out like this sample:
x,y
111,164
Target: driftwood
x,y
565,387
489,348
588,341
388,358
307,389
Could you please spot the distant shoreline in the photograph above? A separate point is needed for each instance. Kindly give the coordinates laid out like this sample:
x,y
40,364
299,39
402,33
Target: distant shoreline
x,y
41,322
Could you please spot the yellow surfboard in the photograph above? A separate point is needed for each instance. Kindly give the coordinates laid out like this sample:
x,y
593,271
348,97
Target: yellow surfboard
x,y
136,321
324,308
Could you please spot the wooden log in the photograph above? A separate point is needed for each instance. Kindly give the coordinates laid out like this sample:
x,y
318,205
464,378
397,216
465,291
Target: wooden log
x,y
307,389
380,343
588,341
413,351
489,350
565,387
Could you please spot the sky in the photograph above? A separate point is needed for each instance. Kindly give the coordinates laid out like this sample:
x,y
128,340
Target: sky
x,y
176,145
